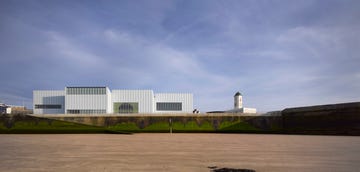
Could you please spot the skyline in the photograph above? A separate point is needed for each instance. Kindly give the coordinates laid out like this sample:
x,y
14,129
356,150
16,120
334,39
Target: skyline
x,y
278,54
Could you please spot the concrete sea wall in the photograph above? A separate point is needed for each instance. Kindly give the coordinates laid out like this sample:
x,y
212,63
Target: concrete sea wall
x,y
343,119
334,119
178,123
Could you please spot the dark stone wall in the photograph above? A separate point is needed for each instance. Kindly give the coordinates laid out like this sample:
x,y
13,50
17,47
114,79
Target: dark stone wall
x,y
144,121
9,120
334,119
341,119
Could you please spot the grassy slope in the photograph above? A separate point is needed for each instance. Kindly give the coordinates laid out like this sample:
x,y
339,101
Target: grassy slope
x,y
45,127
191,126
27,124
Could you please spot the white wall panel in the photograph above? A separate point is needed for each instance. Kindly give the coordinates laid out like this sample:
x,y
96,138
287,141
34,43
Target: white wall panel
x,y
249,110
84,102
185,98
87,99
109,108
145,98
49,97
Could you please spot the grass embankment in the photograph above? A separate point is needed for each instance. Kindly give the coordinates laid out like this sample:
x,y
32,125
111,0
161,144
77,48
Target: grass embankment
x,y
45,127
23,124
190,126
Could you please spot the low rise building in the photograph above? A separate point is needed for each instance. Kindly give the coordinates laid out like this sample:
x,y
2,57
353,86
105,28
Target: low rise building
x,y
101,100
3,108
17,110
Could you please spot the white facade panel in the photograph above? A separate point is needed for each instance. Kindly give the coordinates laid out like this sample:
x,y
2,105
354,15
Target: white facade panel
x,y
185,99
144,98
96,100
109,108
8,110
43,98
87,100
249,110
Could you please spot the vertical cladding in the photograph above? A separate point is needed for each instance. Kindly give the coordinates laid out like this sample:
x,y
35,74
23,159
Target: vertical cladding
x,y
86,101
109,103
101,99
185,99
48,98
91,99
143,97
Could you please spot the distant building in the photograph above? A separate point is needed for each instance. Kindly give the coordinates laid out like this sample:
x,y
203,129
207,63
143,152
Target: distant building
x,y
12,109
238,105
100,100
3,108
17,110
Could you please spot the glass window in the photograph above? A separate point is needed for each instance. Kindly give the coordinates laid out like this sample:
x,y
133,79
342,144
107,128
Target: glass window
x,y
169,106
86,90
86,111
47,106
126,107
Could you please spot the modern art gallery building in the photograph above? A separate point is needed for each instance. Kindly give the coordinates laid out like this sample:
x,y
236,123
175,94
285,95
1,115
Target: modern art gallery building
x,y
100,100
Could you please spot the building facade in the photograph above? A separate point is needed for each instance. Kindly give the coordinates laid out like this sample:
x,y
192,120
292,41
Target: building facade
x,y
101,100
3,108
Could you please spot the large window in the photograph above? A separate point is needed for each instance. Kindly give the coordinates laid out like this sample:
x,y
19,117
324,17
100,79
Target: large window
x,y
169,106
86,111
85,90
47,106
126,107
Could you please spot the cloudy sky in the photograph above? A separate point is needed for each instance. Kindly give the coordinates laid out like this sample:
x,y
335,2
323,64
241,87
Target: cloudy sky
x,y
276,53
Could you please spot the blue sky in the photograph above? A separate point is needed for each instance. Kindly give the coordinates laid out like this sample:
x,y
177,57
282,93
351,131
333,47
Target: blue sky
x,y
278,54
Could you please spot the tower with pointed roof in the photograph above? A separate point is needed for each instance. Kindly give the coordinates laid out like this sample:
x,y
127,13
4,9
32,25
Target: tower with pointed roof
x,y
238,101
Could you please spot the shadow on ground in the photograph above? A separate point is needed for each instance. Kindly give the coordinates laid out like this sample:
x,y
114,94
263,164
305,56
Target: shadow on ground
x,y
216,169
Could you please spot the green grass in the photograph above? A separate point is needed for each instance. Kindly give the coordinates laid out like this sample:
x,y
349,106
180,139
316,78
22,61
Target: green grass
x,y
163,127
2,127
31,127
192,126
157,127
225,124
124,127
132,127
41,125
240,127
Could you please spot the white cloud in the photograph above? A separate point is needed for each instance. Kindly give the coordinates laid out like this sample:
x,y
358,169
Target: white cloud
x,y
65,49
320,42
169,69
159,57
313,41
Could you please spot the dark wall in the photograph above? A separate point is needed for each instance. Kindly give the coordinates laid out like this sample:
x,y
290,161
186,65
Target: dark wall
x,y
335,119
323,119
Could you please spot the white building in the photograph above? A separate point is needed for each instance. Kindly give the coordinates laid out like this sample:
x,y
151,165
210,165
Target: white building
x,y
100,100
238,105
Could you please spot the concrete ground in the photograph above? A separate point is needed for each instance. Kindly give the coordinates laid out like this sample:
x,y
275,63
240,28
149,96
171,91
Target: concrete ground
x,y
178,152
